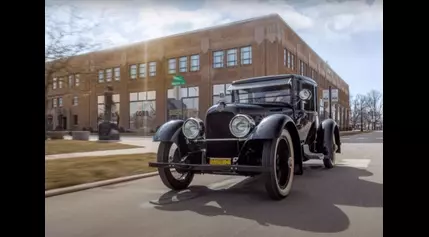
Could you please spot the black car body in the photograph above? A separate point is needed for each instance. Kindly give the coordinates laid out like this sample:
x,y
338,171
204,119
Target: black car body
x,y
270,128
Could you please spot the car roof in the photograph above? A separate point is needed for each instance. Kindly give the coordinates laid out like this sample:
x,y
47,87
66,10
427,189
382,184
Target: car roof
x,y
271,78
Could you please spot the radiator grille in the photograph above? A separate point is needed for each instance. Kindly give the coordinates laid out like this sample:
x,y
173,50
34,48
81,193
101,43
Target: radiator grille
x,y
217,125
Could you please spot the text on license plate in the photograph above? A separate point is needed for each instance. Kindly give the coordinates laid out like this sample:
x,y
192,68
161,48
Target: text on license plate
x,y
220,161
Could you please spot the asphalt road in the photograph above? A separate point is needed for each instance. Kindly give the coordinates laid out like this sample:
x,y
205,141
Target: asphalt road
x,y
372,137
344,201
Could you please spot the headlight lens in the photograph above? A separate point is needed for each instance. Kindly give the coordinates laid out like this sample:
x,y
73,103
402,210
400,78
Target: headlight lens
x,y
192,128
241,125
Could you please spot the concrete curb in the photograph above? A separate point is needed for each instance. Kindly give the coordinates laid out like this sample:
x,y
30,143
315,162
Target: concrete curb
x,y
81,187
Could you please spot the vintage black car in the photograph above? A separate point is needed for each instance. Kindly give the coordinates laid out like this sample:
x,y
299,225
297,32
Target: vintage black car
x,y
270,128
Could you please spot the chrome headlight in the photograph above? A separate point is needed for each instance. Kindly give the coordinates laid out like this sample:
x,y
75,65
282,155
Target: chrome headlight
x,y
193,128
241,125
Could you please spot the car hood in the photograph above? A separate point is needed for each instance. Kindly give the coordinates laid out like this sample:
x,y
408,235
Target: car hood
x,y
256,111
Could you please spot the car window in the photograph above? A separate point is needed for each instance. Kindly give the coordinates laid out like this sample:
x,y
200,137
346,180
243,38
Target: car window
x,y
264,94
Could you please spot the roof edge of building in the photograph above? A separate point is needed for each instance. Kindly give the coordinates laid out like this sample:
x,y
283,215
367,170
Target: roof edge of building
x,y
305,43
224,25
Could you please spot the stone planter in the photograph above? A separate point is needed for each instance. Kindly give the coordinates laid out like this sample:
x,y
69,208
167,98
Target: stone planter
x,y
80,135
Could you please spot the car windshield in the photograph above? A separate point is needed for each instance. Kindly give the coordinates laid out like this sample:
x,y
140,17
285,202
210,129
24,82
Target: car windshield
x,y
270,94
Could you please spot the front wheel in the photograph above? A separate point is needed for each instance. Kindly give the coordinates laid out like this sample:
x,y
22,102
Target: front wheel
x,y
170,152
278,156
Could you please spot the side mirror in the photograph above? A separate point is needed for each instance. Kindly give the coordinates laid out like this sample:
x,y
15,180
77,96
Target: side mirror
x,y
305,94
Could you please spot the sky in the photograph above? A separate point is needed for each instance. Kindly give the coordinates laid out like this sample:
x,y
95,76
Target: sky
x,y
347,34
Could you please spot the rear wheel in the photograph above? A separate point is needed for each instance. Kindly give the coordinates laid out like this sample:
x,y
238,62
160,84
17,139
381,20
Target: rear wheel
x,y
179,180
278,156
330,154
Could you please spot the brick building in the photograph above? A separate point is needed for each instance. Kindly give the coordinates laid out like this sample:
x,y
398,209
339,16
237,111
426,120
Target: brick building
x,y
208,59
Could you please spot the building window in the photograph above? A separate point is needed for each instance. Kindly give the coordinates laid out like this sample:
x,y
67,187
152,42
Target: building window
x,y
246,55
307,70
133,71
284,57
183,64
143,111
287,58
60,83
100,76
195,63
231,57
115,107
54,83
221,88
75,119
75,100
183,103
301,67
142,70
60,101
70,80
54,102
76,80
218,59
152,69
172,66
109,74
117,74
292,61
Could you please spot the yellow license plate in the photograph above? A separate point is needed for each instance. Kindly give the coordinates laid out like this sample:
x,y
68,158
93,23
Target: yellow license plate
x,y
220,161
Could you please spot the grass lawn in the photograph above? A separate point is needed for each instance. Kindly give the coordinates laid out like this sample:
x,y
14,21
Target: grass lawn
x,y
73,171
69,146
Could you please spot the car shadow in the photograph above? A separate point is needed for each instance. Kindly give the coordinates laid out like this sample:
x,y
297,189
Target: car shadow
x,y
312,205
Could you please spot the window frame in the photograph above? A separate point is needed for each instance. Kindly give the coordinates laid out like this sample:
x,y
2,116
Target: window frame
x,y
219,54
243,59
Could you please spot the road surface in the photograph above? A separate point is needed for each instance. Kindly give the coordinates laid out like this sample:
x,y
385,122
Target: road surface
x,y
344,201
372,137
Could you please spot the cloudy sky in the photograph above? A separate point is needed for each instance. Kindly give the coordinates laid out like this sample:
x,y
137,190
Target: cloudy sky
x,y
348,34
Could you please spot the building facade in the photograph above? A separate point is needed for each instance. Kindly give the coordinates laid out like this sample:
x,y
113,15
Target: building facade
x,y
208,59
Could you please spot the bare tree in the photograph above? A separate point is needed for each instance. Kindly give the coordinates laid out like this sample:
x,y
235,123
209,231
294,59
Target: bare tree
x,y
359,110
355,112
64,39
375,106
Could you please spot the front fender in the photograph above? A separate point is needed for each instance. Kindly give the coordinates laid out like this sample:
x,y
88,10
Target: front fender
x,y
168,131
324,134
271,127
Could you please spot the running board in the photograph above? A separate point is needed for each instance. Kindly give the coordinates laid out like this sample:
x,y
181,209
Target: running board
x,y
310,155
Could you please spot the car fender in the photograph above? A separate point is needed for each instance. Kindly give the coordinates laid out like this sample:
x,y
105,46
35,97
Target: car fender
x,y
324,134
168,132
271,127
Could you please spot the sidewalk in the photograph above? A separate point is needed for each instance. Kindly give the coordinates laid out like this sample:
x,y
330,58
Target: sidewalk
x,y
99,153
146,147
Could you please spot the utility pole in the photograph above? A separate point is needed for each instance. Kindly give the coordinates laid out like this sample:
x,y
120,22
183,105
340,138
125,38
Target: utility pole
x,y
373,115
330,102
361,118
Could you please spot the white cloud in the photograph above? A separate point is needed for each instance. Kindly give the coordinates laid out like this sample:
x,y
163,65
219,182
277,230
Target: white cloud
x,y
130,21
